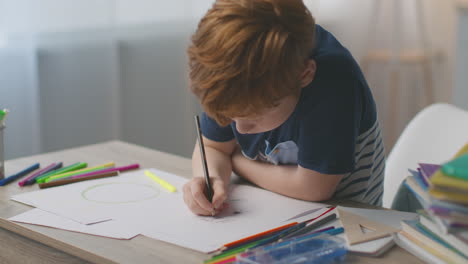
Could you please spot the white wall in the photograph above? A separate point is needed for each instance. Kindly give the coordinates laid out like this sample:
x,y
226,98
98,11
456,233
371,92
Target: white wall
x,y
142,20
18,92
156,105
78,90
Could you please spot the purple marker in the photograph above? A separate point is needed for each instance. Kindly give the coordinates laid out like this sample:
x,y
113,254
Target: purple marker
x,y
32,179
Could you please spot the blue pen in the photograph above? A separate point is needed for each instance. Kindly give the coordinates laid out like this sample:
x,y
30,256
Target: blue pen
x,y
19,174
33,180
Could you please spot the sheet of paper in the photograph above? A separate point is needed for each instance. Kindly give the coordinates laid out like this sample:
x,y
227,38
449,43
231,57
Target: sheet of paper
x,y
251,211
112,229
99,200
139,202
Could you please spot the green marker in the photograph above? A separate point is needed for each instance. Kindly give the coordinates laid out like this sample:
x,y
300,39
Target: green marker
x,y
76,166
77,172
3,114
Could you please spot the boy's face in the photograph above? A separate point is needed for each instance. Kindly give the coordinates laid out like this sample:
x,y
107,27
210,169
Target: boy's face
x,y
268,119
272,118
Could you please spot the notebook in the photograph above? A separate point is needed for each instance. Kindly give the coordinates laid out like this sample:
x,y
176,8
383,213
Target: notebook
x,y
376,247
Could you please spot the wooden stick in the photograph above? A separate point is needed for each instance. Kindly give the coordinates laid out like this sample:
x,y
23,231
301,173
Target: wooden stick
x,y
68,181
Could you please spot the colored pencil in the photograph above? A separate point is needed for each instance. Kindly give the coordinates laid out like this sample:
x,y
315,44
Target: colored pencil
x,y
271,238
253,245
258,235
310,227
75,166
68,181
224,249
265,233
228,259
119,169
19,174
322,214
260,242
32,179
72,173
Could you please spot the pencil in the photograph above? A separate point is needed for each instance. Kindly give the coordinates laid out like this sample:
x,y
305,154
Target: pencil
x,y
228,259
257,236
209,190
310,227
266,239
233,253
68,181
256,243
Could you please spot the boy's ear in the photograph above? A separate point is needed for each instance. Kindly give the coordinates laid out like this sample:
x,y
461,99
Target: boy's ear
x,y
309,73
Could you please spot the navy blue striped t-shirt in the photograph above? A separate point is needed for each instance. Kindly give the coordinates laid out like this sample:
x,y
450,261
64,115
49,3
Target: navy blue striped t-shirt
x,y
333,129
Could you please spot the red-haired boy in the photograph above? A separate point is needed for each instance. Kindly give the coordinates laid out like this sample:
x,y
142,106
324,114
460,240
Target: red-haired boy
x,y
286,107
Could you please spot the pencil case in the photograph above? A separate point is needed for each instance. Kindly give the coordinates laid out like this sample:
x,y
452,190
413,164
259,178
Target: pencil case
x,y
321,249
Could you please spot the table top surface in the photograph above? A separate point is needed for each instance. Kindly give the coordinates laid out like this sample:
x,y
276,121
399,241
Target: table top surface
x,y
140,249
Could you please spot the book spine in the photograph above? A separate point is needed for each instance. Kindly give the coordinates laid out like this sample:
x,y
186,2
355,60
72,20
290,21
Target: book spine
x,y
449,254
449,238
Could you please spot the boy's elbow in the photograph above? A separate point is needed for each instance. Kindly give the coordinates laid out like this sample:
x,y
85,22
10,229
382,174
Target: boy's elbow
x,y
315,187
314,196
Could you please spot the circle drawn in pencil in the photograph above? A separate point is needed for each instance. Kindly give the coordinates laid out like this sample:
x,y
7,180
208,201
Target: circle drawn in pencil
x,y
120,193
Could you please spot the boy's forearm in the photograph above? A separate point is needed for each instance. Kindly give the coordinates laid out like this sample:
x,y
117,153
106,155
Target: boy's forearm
x,y
282,179
219,163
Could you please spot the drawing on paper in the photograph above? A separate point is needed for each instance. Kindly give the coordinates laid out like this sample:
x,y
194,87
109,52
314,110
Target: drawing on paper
x,y
120,193
229,214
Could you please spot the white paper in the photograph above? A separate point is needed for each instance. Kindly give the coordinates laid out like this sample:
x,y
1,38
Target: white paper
x,y
136,200
112,229
99,200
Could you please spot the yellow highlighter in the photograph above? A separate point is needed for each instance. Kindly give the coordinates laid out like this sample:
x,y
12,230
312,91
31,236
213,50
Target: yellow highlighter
x,y
161,182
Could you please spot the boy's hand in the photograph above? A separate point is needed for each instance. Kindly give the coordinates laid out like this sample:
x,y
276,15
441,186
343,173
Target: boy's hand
x,y
195,197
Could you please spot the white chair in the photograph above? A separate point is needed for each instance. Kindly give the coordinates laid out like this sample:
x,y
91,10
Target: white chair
x,y
434,135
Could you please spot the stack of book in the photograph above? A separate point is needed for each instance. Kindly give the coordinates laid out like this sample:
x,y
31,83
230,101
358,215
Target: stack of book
x,y
441,233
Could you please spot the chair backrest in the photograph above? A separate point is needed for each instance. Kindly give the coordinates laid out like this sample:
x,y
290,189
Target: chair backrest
x,y
434,135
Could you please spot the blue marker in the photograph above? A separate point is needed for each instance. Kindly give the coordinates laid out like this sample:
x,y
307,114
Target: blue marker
x,y
19,174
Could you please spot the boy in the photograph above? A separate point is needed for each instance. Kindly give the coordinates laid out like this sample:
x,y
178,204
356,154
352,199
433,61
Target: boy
x,y
286,107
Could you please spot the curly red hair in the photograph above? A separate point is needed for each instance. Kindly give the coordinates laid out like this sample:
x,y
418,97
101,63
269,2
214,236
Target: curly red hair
x,y
246,55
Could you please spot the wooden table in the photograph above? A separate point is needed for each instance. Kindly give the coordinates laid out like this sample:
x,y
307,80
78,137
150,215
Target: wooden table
x,y
24,243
